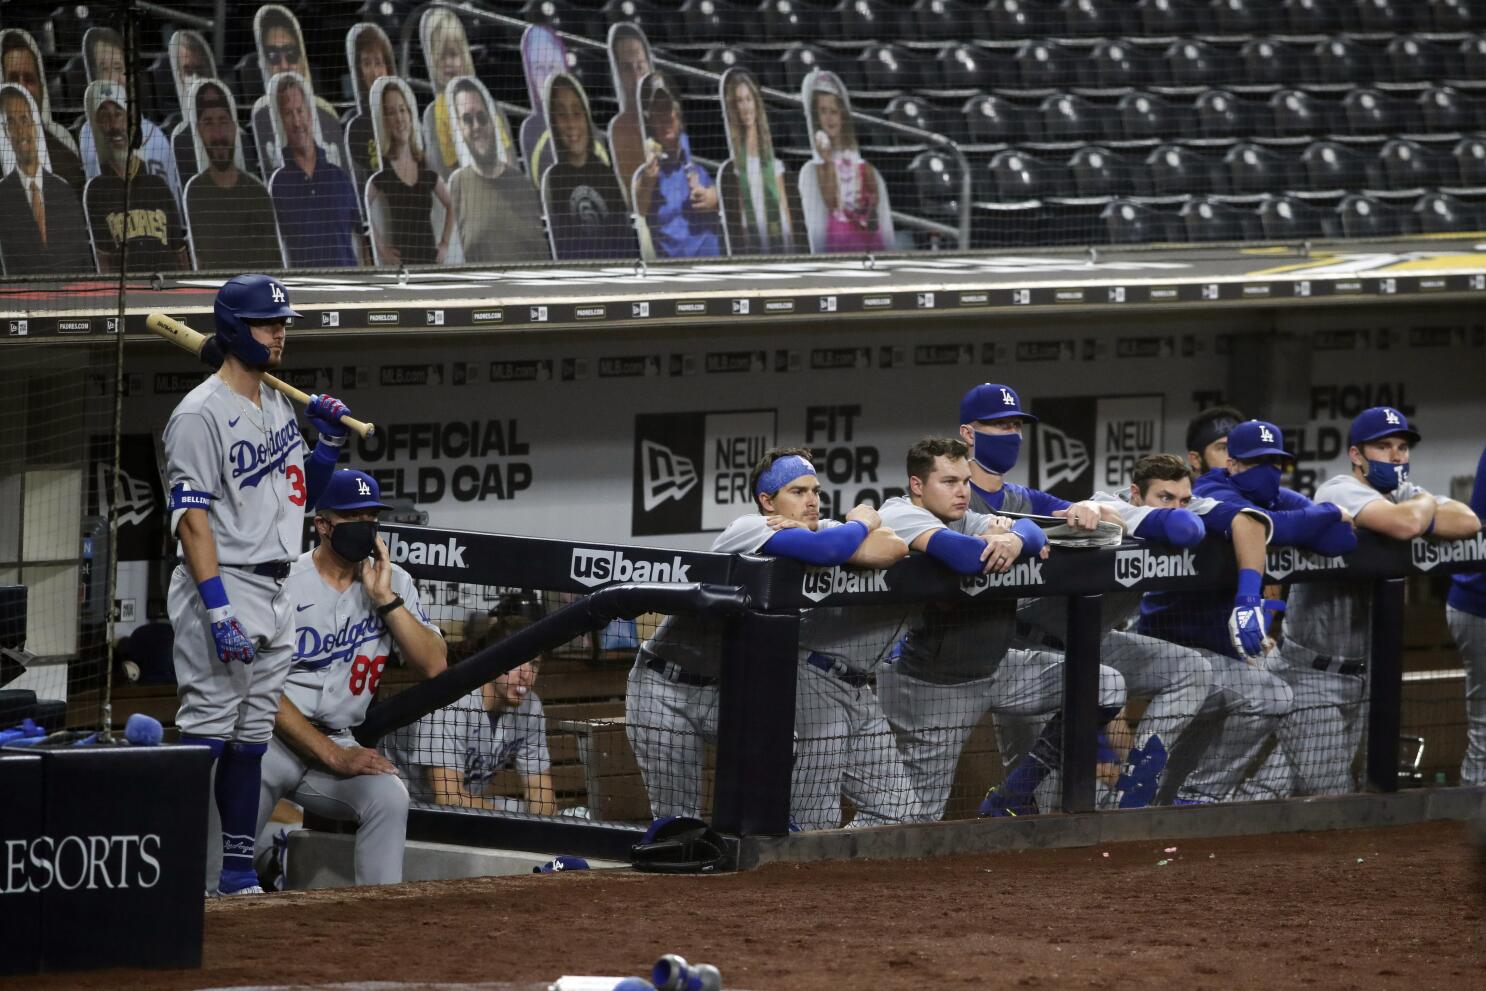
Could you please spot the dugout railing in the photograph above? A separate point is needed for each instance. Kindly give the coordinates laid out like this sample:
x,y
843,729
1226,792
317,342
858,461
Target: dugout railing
x,y
759,600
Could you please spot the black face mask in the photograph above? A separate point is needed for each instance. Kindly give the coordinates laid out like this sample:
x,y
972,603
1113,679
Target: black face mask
x,y
354,540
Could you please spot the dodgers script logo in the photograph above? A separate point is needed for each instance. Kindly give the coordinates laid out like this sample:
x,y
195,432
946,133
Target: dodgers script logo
x,y
1427,553
1023,573
593,567
253,462
1136,565
821,582
336,645
666,474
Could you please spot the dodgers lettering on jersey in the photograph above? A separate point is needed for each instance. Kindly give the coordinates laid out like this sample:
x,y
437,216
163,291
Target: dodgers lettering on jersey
x,y
475,742
341,645
250,460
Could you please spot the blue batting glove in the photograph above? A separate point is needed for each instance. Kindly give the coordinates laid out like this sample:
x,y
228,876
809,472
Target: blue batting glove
x,y
1249,622
232,643
326,413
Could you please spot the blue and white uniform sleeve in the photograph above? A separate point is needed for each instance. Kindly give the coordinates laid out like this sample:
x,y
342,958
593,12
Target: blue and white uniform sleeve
x,y
193,464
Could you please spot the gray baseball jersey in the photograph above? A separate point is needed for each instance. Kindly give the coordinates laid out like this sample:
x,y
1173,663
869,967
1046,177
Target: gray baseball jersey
x,y
341,645
476,742
949,645
1331,619
249,461
695,642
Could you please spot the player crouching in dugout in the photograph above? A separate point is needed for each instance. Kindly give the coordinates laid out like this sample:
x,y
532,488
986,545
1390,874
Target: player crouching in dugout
x,y
454,756
353,608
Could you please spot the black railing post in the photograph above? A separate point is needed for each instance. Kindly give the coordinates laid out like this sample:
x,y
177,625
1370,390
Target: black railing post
x,y
756,723
1385,694
1081,701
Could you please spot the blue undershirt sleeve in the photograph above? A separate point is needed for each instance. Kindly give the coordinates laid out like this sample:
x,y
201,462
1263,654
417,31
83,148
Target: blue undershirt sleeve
x,y
818,547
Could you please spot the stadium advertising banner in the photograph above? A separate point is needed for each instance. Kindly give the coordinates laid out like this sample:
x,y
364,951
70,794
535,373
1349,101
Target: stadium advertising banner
x,y
1085,444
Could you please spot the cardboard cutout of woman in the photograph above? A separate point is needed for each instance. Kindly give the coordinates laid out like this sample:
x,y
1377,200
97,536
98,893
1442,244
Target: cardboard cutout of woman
x,y
446,50
586,213
673,194
629,62
756,197
496,208
401,196
103,58
230,222
543,55
369,58
844,199
280,50
41,216
190,60
20,58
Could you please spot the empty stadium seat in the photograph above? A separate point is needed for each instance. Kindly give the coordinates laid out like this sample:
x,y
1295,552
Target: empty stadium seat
x,y
867,20
890,69
1450,16
1097,171
1332,166
656,21
1176,170
912,112
996,120
1413,60
1408,165
1209,220
1253,169
1166,18
390,14
1118,65
712,21
1441,213
1091,18
1443,111
1470,163
1242,16
1285,218
936,180
1015,175
1311,17
1386,16
1267,63
1068,118
721,58
1126,222
68,24
797,62
1470,62
1145,117
964,67
1008,19
1364,216
1191,63
945,20
1293,113
1046,65
1369,112
778,21
1341,62
1222,115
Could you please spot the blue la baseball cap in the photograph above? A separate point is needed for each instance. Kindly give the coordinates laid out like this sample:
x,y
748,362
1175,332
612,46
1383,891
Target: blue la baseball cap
x,y
989,401
351,489
1379,422
1257,439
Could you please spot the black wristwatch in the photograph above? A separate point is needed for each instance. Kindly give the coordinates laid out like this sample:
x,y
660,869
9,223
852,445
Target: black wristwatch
x,y
384,610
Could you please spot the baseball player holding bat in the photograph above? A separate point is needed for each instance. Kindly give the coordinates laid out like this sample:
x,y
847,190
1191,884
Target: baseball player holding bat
x,y
239,482
1327,624
352,608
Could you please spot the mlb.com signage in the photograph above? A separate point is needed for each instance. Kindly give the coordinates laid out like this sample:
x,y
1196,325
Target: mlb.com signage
x,y
593,567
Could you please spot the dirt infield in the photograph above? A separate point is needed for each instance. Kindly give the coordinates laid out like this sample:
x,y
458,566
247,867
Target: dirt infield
x,y
1396,908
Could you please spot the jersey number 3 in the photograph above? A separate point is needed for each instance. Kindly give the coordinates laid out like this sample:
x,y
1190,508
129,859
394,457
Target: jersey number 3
x,y
366,673
297,493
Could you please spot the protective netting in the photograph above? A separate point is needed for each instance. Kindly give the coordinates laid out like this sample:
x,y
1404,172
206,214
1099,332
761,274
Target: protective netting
x,y
393,134
57,484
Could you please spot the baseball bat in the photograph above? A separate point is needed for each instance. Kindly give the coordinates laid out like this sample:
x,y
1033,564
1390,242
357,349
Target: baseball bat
x,y
184,337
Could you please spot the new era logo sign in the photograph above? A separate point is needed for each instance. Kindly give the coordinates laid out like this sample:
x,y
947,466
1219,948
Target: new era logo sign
x,y
740,307
926,301
666,474
330,318
435,318
828,304
20,328
639,309
278,293
538,314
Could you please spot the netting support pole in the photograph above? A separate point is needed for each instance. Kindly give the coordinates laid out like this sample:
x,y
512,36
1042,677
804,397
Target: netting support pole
x,y
1081,702
1385,695
755,724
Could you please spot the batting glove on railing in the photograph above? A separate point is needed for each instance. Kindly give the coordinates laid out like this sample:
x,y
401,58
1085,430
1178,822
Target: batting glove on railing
x,y
325,413
1248,624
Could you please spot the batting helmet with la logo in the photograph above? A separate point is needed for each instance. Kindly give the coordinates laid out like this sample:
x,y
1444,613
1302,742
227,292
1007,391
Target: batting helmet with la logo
x,y
243,299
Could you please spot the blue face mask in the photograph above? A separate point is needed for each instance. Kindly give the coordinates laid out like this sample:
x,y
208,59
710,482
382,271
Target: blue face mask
x,y
1386,477
997,453
1259,484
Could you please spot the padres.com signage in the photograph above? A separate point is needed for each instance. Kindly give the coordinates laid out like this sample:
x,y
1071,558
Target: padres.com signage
x,y
102,857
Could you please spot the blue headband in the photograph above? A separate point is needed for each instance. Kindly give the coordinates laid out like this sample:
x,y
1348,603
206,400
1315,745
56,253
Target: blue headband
x,y
782,472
